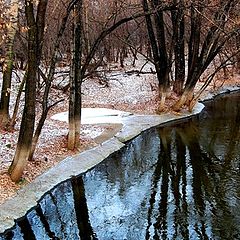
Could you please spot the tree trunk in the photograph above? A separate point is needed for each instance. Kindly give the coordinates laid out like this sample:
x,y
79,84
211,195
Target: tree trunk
x,y
201,56
12,121
238,55
48,80
162,47
86,27
213,42
76,81
159,48
179,48
28,119
8,65
71,123
185,98
194,43
37,135
6,89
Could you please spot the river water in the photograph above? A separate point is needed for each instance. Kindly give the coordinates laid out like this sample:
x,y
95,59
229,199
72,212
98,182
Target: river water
x,y
174,182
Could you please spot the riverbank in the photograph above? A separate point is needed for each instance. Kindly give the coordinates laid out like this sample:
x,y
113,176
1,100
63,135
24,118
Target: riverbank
x,y
132,125
124,90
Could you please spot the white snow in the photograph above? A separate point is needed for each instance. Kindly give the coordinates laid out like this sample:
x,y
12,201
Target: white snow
x,y
95,116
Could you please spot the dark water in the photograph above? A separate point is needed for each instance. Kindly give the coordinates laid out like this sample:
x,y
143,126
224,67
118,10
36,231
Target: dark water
x,y
176,182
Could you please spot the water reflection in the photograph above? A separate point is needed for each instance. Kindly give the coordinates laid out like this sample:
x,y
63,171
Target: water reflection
x,y
177,182
81,208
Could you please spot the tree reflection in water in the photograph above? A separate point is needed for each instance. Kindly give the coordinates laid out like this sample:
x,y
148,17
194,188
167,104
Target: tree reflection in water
x,y
176,182
83,223
202,182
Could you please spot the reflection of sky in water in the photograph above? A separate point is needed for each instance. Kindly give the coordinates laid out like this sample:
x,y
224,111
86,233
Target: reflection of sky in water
x,y
199,211
118,199
178,183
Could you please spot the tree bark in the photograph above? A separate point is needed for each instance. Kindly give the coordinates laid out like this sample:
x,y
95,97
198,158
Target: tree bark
x,y
200,56
162,44
12,121
156,51
48,80
8,65
75,101
178,24
238,55
28,118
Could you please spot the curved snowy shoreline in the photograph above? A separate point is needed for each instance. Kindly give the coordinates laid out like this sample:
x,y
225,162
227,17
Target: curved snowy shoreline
x,y
132,126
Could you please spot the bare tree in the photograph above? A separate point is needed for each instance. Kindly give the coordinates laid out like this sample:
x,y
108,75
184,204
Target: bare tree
x,y
35,36
157,37
178,43
46,106
202,55
8,63
76,79
204,27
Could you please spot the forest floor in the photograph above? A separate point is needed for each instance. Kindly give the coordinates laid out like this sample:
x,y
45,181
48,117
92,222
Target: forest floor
x,y
118,88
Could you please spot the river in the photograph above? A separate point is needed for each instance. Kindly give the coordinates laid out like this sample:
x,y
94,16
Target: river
x,y
180,181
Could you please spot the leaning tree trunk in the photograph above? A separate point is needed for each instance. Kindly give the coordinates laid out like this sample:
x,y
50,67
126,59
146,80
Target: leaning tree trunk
x,y
12,121
201,57
8,64
28,118
76,81
36,136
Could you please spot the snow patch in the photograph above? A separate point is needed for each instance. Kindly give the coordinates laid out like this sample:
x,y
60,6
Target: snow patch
x,y
95,116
